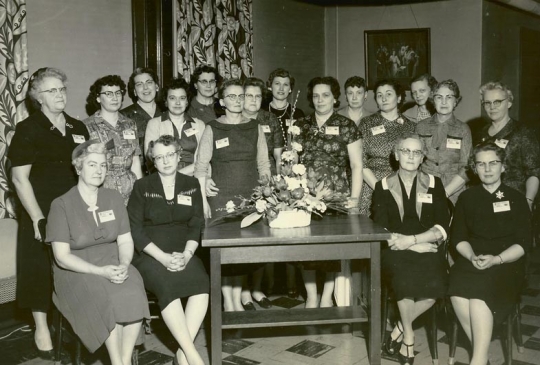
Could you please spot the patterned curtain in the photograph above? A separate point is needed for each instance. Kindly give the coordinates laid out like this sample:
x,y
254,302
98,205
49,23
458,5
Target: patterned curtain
x,y
13,84
216,33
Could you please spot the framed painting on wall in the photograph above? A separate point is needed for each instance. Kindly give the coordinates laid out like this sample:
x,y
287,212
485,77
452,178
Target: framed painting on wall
x,y
397,53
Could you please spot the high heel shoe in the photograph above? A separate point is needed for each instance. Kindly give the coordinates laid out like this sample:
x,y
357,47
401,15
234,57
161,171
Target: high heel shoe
x,y
392,345
44,354
407,360
292,293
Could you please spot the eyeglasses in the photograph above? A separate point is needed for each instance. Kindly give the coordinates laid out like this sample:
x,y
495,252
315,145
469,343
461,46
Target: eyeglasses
x,y
55,91
408,152
251,97
493,104
208,82
147,83
177,98
234,97
439,97
161,158
111,94
482,165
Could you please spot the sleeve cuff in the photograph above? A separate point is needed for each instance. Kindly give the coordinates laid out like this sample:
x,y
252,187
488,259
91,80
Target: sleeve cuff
x,y
442,230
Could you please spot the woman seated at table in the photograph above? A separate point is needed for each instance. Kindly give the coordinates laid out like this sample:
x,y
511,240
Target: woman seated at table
x,y
413,206
95,287
166,215
491,231
177,123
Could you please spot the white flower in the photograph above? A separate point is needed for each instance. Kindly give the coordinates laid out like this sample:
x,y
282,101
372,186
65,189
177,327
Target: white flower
x,y
230,206
321,207
292,183
260,205
296,146
294,130
288,156
299,169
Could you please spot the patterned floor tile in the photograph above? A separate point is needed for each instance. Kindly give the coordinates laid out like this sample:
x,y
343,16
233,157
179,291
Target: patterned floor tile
x,y
154,358
532,343
531,310
310,348
237,360
530,292
286,302
232,346
528,330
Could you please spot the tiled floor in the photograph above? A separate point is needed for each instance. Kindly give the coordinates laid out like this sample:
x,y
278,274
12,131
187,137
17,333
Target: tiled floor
x,y
315,345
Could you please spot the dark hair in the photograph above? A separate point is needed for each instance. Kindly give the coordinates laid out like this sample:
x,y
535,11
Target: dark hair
x,y
131,83
452,85
175,84
411,135
355,81
34,84
225,84
198,72
486,147
280,72
400,91
255,82
97,86
325,80
166,140
431,81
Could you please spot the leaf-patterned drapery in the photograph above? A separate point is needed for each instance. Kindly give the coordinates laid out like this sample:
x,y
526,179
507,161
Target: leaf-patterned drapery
x,y
13,84
217,33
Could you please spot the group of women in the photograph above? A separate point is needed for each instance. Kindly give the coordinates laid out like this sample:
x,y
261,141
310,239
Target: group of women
x,y
148,177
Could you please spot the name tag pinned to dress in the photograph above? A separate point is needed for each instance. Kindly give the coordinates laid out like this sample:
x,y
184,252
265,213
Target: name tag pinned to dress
x,y
106,216
266,128
129,134
334,131
183,199
453,143
289,122
424,198
501,142
224,142
378,130
189,132
77,138
501,206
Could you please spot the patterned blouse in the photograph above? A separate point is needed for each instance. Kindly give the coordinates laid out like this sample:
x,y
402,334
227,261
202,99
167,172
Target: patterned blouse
x,y
273,133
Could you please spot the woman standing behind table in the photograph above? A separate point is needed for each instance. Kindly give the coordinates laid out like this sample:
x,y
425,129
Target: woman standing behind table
x,y
119,134
491,231
177,123
422,92
236,149
522,167
412,205
380,132
281,84
40,153
448,140
95,288
356,93
166,215
332,144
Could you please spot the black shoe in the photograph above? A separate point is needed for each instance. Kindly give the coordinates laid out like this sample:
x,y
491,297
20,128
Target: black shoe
x,y
391,346
249,306
292,293
264,303
407,360
44,354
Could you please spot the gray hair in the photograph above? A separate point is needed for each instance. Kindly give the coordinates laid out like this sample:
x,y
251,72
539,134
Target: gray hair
x,y
37,78
496,85
81,152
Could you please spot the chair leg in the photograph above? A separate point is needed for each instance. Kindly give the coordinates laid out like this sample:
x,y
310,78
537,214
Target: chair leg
x,y
452,340
384,311
77,358
509,332
434,351
519,338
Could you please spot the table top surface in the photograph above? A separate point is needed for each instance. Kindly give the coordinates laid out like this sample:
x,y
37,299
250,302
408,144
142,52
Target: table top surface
x,y
337,228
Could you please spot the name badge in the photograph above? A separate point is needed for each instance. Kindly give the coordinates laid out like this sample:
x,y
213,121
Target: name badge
x,y
424,198
106,216
289,122
501,206
501,142
77,138
129,134
332,131
378,130
183,199
454,144
220,143
189,132
266,128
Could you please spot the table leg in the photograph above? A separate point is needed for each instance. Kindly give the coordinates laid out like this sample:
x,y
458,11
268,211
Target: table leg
x,y
215,305
375,317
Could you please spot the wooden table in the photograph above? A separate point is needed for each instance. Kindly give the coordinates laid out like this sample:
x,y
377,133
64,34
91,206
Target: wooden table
x,y
331,238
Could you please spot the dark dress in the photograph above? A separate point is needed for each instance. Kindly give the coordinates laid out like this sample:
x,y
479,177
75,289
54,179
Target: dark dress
x,y
52,174
409,273
92,304
206,113
490,233
284,116
169,225
274,135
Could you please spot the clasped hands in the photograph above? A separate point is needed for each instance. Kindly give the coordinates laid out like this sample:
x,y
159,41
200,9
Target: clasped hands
x,y
116,274
400,242
175,261
482,262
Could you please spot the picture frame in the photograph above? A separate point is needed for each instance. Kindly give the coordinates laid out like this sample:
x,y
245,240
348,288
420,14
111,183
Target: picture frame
x,y
400,54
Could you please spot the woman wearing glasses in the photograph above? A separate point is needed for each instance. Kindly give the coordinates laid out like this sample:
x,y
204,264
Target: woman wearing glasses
x,y
40,154
119,134
177,123
519,142
491,231
412,205
448,140
166,215
203,85
235,147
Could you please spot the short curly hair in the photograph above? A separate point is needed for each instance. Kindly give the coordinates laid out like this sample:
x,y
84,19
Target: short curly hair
x,y
430,80
35,81
81,152
225,84
325,80
255,82
452,86
97,87
131,82
166,140
175,84
411,135
486,147
398,88
280,72
496,85
355,81
197,74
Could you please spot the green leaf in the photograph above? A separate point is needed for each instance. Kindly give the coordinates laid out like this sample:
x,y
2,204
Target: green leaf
x,y
250,219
